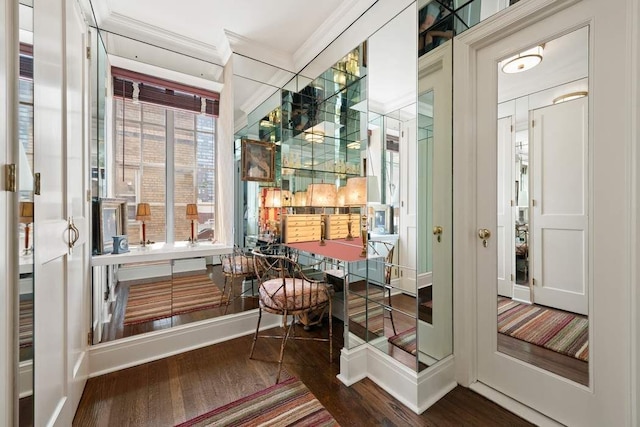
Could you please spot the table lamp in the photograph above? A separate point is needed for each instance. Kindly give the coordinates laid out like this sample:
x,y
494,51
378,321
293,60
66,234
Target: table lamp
x,y
26,218
357,196
143,212
192,214
321,195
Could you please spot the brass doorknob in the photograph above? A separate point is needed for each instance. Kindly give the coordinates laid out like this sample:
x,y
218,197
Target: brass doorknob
x,y
483,233
437,230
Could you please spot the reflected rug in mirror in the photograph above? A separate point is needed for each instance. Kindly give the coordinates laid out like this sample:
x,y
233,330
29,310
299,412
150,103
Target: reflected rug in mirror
x,y
373,320
405,340
288,403
170,297
560,331
26,323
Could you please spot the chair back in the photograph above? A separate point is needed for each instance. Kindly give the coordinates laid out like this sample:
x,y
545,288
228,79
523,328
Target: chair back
x,y
388,258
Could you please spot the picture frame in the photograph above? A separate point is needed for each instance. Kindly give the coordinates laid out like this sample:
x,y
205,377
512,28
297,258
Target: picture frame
x,y
258,161
109,219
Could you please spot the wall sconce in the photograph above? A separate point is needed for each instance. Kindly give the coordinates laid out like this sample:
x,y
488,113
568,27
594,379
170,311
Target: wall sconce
x,y
570,96
143,212
523,61
26,218
192,214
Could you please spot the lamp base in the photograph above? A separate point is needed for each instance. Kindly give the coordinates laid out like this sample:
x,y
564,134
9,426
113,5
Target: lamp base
x,y
364,234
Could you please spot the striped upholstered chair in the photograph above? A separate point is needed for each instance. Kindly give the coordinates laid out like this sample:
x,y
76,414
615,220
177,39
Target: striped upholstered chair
x,y
285,290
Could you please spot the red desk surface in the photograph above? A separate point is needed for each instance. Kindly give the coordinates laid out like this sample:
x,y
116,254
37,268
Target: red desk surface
x,y
340,249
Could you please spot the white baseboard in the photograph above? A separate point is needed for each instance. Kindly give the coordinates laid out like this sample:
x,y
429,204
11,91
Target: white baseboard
x,y
25,378
522,294
132,351
514,406
416,390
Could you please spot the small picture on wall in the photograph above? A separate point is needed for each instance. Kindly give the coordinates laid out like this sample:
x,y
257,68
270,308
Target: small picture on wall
x,y
258,160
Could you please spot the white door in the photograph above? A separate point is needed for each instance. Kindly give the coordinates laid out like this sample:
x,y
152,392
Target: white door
x,y
436,338
607,398
505,236
407,230
559,159
61,281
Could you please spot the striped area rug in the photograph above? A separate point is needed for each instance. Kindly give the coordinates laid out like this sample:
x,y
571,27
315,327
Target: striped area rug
x,y
405,340
560,331
26,323
288,403
170,297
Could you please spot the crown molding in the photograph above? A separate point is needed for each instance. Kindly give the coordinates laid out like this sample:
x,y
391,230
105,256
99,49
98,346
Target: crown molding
x,y
343,16
241,120
256,50
146,33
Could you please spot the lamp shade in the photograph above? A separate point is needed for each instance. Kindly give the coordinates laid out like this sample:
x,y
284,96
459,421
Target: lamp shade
x,y
300,198
342,196
192,211
143,211
273,198
26,212
356,191
321,195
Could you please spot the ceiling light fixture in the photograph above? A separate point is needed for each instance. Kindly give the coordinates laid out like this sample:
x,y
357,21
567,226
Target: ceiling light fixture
x,y
315,136
570,96
523,61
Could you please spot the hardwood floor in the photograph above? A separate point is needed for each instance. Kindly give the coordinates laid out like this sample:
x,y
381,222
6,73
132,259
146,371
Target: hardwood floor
x,y
178,388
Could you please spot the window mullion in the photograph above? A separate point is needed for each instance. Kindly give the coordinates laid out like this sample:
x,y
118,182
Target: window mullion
x,y
170,177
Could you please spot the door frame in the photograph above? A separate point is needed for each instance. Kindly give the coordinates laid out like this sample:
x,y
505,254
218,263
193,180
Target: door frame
x,y
623,359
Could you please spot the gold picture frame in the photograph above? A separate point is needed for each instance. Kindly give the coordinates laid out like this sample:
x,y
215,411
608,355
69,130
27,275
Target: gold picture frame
x,y
258,160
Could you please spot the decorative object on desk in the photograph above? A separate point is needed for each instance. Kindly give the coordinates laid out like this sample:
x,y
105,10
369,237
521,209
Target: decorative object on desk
x,y
26,218
120,244
323,228
143,212
321,195
192,215
109,219
287,403
258,160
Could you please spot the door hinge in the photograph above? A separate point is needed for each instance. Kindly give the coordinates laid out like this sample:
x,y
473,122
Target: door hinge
x,y
533,123
511,128
90,338
511,277
88,52
10,178
36,184
88,195
533,281
512,203
533,202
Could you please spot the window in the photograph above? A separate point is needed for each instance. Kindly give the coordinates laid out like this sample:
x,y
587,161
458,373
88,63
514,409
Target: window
x,y
165,157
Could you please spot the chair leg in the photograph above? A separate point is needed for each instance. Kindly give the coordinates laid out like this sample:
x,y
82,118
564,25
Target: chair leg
x,y
330,331
230,293
255,336
391,313
284,342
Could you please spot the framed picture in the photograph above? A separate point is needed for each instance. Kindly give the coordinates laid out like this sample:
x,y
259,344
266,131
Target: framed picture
x,y
258,159
109,219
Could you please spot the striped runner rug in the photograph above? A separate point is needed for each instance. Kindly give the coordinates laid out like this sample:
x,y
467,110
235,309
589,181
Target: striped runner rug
x,y
557,330
170,297
288,403
26,323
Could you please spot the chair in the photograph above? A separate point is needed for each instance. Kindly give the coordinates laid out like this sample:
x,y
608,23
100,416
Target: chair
x,y
236,265
285,290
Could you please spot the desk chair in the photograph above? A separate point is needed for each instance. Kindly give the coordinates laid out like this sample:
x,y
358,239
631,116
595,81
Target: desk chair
x,y
388,265
285,290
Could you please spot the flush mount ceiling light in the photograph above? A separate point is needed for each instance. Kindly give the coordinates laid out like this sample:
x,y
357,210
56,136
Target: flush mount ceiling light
x,y
570,96
314,136
523,61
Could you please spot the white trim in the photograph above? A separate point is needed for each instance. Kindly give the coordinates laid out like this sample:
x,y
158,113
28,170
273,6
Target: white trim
x,y
25,378
416,390
633,105
127,352
512,405
259,51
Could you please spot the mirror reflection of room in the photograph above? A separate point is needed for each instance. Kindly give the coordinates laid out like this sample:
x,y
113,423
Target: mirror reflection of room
x,y
542,230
